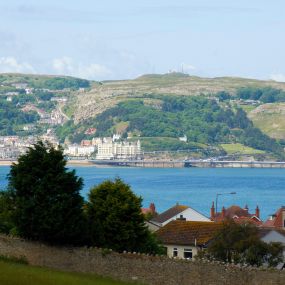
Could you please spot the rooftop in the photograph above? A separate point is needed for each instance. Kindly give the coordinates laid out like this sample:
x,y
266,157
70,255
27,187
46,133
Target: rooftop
x,y
170,213
188,233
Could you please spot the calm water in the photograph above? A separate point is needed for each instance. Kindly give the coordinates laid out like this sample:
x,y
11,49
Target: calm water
x,y
196,187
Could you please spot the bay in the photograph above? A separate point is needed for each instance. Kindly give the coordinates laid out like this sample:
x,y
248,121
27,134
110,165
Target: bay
x,y
195,187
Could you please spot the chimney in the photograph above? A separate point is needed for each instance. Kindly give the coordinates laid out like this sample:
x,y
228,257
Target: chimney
x,y
213,211
257,212
181,218
223,212
246,208
152,208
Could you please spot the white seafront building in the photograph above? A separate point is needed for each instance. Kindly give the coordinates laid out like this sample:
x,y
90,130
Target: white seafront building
x,y
118,150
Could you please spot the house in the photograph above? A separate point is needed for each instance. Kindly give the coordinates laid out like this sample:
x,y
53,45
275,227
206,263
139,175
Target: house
x,y
236,213
179,212
276,220
273,235
184,239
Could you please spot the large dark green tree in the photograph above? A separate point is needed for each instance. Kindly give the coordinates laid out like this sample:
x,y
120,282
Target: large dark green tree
x,y
115,219
48,206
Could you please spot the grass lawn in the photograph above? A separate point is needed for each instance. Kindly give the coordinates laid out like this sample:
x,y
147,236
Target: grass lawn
x,y
20,274
232,148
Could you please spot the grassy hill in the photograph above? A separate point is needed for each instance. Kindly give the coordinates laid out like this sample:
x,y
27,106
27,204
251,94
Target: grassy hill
x,y
270,118
138,108
109,93
43,81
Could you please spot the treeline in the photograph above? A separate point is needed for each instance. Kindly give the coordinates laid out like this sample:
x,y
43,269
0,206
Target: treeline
x,y
200,119
264,95
44,82
11,117
59,83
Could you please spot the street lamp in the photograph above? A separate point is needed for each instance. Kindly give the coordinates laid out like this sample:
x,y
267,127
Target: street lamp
x,y
220,194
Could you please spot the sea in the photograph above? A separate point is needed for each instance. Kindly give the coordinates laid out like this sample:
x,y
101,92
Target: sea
x,y
194,187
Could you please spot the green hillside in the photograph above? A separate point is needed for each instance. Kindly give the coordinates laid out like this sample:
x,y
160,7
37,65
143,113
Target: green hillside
x,y
270,118
43,81
204,122
158,108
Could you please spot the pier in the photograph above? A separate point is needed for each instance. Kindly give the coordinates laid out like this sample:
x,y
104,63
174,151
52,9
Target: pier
x,y
188,163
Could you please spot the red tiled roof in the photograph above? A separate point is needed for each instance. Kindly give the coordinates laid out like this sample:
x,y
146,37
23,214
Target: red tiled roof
x,y
237,213
248,220
170,213
276,221
188,233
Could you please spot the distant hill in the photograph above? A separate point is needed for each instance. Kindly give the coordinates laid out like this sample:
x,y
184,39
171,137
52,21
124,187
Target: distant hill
x,y
43,81
158,109
109,93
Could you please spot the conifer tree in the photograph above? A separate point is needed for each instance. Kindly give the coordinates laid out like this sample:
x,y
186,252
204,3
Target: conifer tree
x,y
48,205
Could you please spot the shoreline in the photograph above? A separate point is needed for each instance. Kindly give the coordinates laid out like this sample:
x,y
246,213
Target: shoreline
x,y
163,164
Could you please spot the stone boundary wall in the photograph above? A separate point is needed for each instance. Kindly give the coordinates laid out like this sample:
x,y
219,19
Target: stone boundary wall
x,y
144,269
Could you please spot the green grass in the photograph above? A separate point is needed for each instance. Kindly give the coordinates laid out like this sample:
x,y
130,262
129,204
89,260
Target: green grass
x,y
240,148
247,108
270,119
18,274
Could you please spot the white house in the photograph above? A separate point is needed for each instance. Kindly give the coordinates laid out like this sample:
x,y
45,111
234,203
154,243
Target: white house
x,y
273,235
184,239
179,212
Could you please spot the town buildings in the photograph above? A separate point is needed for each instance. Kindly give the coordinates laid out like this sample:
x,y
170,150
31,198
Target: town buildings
x,y
236,213
118,150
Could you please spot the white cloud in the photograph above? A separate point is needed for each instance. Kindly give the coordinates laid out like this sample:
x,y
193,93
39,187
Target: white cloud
x,y
67,66
11,64
278,77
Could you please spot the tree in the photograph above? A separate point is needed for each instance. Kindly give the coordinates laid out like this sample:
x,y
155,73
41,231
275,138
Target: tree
x,y
6,212
241,244
115,219
48,206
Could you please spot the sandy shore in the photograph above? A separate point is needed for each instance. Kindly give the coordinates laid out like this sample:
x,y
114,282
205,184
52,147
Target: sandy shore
x,y
6,162
79,163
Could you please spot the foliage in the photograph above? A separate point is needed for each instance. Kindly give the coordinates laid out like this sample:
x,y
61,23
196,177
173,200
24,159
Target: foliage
x,y
48,206
6,212
241,244
115,219
59,83
11,117
202,120
45,82
265,94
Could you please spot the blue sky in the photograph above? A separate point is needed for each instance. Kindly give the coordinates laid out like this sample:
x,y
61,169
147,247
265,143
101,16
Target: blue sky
x,y
114,39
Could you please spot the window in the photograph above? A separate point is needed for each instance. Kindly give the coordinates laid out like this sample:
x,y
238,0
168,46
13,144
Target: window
x,y
175,252
187,252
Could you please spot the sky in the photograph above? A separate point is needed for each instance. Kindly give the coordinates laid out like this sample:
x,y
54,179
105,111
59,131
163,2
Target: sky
x,y
112,39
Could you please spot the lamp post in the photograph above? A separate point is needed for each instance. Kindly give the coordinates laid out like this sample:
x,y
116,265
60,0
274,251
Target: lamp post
x,y
220,194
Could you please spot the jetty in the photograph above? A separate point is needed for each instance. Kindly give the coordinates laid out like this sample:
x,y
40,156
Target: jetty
x,y
188,163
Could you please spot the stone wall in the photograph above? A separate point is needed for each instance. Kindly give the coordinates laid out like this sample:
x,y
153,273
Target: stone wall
x,y
153,270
